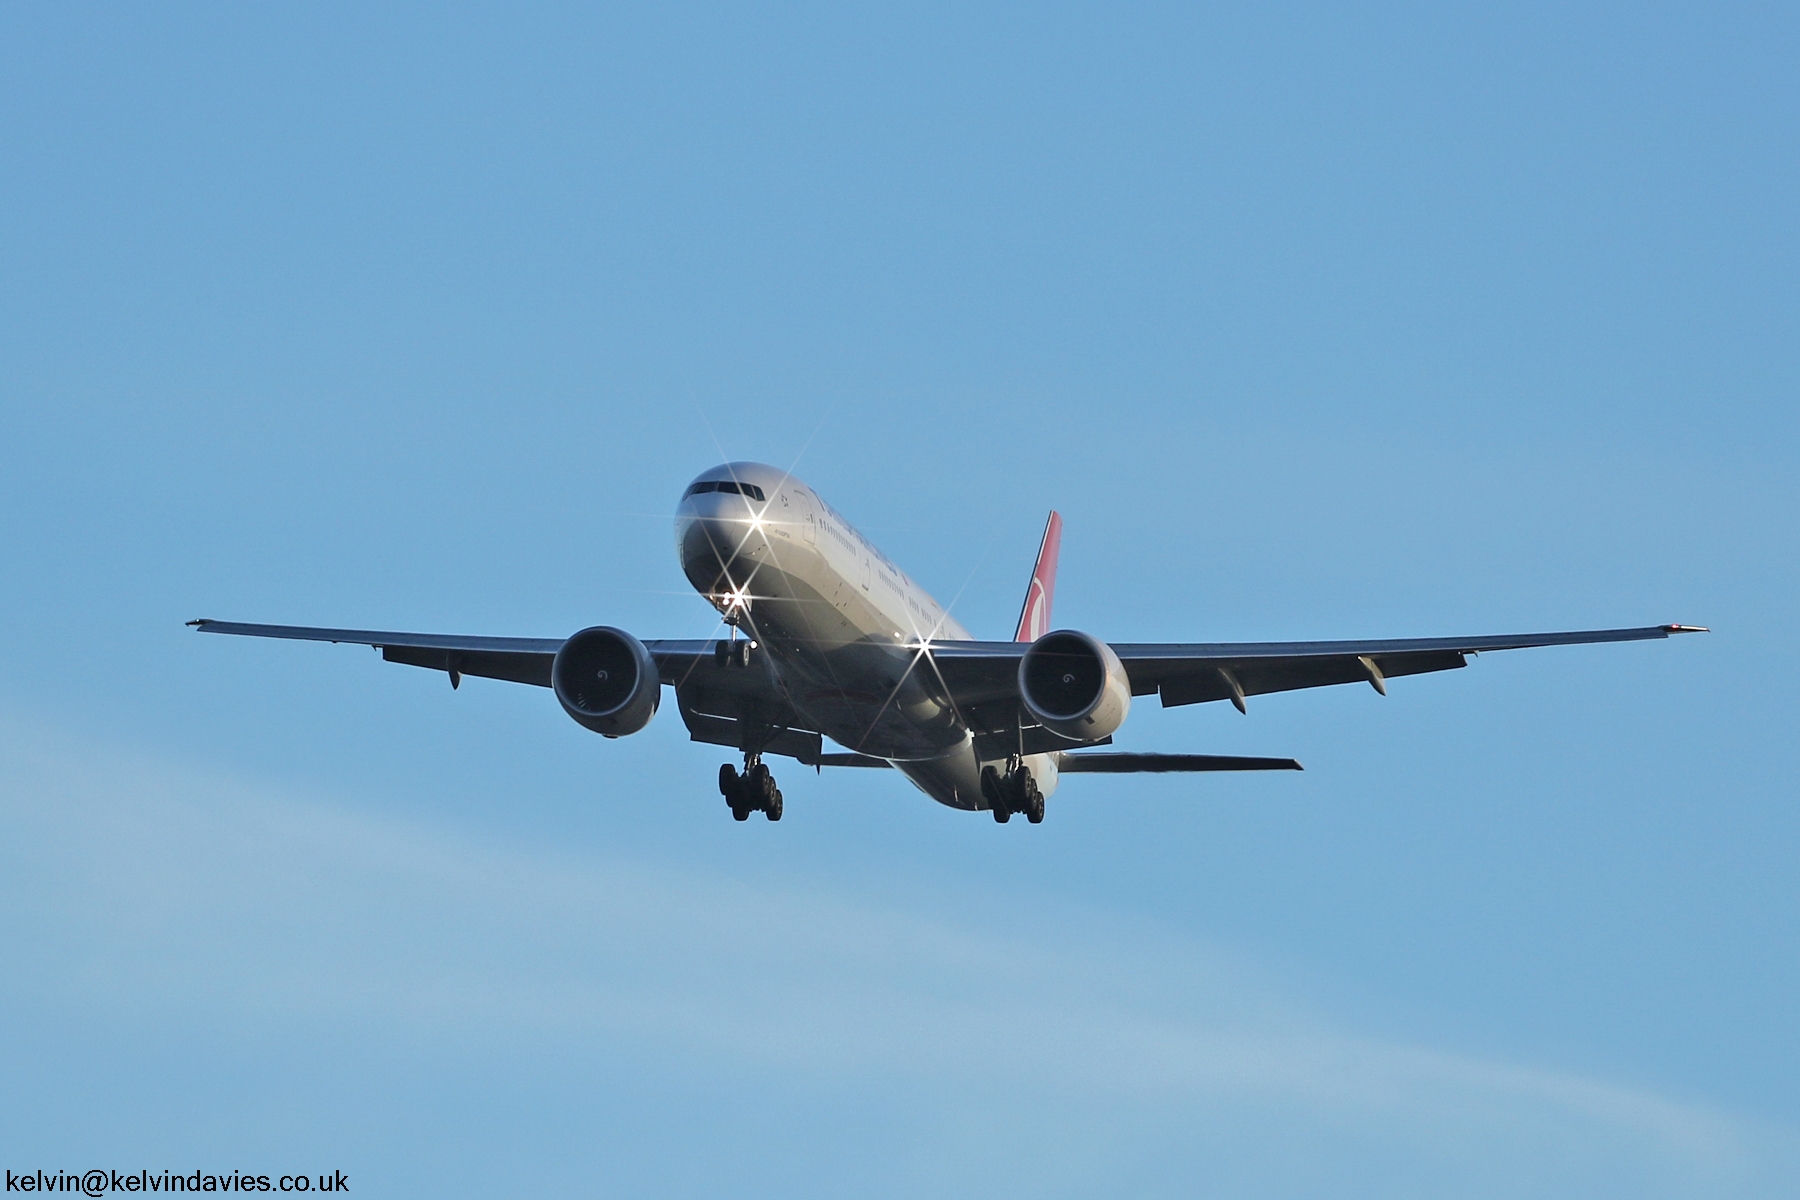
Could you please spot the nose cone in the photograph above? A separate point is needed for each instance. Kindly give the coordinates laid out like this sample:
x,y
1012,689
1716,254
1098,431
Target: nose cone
x,y
711,544
720,524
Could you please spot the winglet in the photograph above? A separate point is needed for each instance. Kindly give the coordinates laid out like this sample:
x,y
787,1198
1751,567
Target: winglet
x,y
1686,629
1034,617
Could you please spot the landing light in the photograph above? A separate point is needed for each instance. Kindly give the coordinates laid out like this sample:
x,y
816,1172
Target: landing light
x,y
733,601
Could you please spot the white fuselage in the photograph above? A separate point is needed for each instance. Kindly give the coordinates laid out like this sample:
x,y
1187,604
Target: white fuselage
x,y
842,630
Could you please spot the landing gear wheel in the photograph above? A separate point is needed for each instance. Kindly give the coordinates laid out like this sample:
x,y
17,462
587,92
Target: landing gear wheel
x,y
1017,792
993,790
760,793
731,786
1031,801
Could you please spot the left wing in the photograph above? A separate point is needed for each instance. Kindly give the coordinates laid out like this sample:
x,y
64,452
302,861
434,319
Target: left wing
x,y
1192,673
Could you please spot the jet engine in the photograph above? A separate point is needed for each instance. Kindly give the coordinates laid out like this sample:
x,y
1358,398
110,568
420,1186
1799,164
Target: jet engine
x,y
607,681
1074,685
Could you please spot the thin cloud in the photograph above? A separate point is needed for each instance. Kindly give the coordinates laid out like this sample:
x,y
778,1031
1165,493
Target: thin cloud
x,y
165,888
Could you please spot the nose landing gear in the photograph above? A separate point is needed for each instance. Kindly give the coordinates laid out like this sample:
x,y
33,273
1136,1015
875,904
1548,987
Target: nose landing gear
x,y
753,791
1014,792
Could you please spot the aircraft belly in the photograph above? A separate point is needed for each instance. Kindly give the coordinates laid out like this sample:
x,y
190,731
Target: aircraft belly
x,y
954,779
868,697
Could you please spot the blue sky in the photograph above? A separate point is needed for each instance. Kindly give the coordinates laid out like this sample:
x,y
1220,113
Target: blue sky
x,y
1312,322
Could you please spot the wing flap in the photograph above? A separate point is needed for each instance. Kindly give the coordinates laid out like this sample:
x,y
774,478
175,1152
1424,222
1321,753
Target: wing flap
x,y
512,666
725,706
1259,676
723,731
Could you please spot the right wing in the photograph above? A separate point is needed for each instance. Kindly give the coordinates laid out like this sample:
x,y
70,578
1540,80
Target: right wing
x,y
719,705
521,660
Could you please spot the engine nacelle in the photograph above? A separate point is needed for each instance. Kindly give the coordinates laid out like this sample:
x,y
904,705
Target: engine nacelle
x,y
1074,685
607,681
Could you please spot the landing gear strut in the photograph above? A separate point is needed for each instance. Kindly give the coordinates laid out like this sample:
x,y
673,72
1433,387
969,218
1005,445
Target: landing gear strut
x,y
753,791
1013,792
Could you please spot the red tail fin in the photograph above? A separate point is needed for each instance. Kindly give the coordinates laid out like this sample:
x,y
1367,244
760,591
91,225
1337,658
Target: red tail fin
x,y
1034,618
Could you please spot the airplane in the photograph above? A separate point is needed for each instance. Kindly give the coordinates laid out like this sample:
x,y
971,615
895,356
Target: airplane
x,y
827,638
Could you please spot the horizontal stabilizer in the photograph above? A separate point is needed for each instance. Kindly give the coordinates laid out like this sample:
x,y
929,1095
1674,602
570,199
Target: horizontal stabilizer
x,y
845,760
1123,764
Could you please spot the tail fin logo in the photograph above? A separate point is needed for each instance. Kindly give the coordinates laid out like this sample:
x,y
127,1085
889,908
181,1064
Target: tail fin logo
x,y
1034,618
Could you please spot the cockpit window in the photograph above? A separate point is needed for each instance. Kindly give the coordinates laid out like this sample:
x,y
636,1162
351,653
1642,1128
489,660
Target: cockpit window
x,y
724,485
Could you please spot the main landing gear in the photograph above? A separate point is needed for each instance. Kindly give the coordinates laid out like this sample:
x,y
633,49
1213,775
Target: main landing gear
x,y
753,791
1014,792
